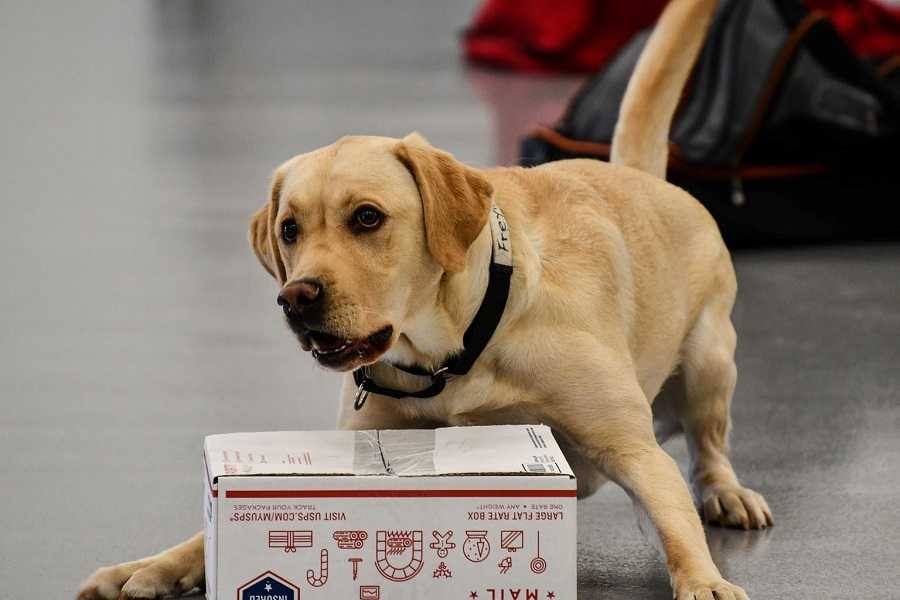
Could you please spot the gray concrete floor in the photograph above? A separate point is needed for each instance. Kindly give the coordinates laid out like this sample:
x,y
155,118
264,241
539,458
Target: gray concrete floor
x,y
138,137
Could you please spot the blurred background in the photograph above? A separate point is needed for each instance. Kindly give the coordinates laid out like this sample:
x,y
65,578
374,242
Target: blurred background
x,y
138,137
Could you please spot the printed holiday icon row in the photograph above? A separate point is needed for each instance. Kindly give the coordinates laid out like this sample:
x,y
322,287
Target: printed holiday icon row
x,y
399,554
476,546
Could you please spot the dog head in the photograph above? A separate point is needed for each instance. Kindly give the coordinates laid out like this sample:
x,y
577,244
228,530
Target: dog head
x,y
359,235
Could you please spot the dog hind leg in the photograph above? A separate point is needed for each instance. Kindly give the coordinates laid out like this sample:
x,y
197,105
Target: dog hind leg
x,y
709,376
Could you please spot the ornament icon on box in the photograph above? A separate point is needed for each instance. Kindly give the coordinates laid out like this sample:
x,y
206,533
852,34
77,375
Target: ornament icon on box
x,y
476,548
538,564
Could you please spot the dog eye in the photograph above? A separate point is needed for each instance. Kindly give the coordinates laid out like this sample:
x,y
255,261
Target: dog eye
x,y
367,217
289,231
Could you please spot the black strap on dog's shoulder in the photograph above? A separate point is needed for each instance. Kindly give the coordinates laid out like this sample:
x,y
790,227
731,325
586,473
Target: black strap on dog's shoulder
x,y
477,335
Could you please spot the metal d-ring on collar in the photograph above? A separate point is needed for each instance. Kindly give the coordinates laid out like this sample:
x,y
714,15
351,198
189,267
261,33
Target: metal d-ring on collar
x,y
477,335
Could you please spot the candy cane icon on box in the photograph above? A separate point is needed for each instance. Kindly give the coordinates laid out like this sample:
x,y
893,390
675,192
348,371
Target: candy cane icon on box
x,y
398,554
322,578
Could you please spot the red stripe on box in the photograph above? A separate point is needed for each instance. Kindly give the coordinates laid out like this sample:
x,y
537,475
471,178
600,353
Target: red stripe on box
x,y
400,493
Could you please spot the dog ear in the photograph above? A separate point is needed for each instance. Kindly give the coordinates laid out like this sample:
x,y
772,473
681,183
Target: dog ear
x,y
456,200
261,234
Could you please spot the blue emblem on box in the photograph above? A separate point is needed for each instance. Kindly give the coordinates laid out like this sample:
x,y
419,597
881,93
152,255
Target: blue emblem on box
x,y
268,586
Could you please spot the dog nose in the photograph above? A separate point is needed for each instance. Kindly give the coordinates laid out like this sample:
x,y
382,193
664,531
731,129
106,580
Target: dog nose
x,y
299,295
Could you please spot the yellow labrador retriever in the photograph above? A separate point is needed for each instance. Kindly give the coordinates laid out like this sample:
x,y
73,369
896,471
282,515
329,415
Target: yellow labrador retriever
x,y
620,283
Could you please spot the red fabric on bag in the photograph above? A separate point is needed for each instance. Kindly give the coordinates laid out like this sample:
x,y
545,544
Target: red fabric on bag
x,y
871,28
582,35
555,35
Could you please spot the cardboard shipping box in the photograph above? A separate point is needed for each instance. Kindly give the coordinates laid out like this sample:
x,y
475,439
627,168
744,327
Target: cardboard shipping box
x,y
461,513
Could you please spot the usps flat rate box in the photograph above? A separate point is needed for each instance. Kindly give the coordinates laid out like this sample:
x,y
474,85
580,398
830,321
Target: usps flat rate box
x,y
459,513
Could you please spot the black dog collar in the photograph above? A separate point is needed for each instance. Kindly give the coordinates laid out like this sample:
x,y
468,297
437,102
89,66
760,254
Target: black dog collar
x,y
477,335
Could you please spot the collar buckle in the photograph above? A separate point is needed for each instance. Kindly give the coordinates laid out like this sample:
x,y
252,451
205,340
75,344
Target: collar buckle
x,y
362,394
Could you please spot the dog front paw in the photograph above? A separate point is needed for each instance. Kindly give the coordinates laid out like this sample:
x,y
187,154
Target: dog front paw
x,y
735,506
148,581
715,589
104,584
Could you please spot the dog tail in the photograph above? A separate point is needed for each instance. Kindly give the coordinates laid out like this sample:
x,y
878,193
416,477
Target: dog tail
x,y
641,137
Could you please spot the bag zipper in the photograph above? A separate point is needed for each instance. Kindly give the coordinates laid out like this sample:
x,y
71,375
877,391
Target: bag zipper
x,y
738,198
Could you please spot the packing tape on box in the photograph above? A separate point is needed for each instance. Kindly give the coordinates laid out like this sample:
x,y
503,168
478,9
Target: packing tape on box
x,y
407,453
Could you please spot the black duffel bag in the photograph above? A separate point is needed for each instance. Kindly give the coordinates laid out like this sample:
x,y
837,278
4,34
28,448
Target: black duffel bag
x,y
782,132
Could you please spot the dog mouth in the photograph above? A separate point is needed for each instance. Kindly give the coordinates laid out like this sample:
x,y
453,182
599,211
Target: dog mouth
x,y
343,354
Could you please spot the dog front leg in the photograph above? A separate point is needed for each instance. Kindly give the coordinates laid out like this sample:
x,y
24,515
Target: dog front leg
x,y
175,571
618,437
